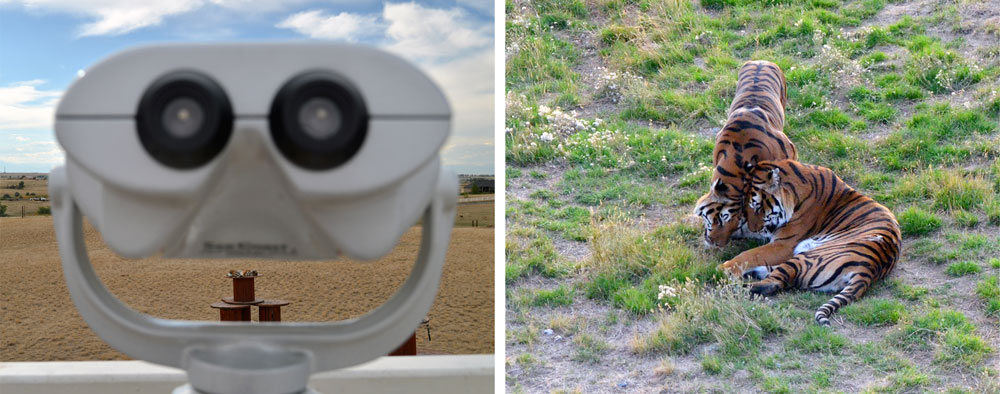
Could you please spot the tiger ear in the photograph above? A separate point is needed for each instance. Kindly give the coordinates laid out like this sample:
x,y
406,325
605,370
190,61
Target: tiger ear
x,y
774,180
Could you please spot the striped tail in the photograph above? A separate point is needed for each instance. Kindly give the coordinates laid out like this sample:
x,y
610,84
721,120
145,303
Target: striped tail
x,y
849,294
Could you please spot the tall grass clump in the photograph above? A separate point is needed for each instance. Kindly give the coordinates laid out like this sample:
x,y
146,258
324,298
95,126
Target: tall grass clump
x,y
725,315
989,292
628,264
916,221
529,251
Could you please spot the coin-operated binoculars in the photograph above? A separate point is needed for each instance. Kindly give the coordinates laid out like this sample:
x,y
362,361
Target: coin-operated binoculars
x,y
175,149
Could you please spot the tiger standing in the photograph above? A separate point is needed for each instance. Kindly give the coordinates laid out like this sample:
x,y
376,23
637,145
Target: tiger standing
x,y
826,235
752,134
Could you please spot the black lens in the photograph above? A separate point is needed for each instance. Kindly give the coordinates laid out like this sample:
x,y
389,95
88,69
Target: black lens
x,y
318,120
184,119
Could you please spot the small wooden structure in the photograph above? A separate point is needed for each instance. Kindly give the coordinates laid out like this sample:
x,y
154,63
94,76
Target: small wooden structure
x,y
270,310
232,312
237,307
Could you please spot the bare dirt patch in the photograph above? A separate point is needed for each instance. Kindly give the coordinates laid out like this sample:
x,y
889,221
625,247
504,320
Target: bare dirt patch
x,y
618,369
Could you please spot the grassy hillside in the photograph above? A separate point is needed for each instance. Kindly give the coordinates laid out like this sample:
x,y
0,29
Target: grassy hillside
x,y
612,108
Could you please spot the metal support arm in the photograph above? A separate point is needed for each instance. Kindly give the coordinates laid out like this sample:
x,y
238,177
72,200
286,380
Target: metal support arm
x,y
253,358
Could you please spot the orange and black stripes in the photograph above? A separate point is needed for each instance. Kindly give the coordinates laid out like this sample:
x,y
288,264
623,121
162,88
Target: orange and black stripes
x,y
752,133
753,130
843,241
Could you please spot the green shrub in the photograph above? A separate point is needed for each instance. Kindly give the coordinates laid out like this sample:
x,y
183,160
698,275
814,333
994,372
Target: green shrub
x,y
44,210
916,221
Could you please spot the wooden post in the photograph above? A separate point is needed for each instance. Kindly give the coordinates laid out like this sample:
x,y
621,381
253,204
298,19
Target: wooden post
x,y
270,310
408,348
243,289
232,312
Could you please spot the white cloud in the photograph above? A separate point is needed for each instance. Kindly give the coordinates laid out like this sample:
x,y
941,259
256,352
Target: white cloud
x,y
126,16
343,26
256,5
114,17
468,84
24,106
46,153
419,32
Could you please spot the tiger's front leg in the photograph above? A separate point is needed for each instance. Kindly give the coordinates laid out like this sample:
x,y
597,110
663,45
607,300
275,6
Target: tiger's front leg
x,y
773,253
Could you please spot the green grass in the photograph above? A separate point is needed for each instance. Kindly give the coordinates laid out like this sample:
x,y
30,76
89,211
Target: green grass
x,y
589,348
724,315
628,265
560,296
965,218
964,349
934,136
905,380
988,291
962,268
529,251
907,292
929,326
874,312
817,339
915,221
711,364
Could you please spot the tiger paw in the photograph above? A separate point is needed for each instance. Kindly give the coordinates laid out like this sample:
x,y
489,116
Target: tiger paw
x,y
733,268
764,289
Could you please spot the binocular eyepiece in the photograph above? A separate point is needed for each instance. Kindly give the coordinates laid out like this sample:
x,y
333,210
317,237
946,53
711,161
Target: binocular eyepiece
x,y
318,120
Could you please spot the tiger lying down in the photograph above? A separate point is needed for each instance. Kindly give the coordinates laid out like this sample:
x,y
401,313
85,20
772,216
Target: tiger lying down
x,y
825,236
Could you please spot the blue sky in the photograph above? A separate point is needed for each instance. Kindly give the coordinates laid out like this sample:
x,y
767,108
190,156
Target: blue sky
x,y
45,43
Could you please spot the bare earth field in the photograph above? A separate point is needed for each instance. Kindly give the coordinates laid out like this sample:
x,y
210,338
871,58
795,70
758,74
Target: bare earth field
x,y
38,321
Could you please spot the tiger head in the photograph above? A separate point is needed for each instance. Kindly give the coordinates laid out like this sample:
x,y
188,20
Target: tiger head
x,y
722,217
764,208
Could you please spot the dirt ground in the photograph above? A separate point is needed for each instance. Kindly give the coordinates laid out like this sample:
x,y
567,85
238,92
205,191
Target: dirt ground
x,y
38,321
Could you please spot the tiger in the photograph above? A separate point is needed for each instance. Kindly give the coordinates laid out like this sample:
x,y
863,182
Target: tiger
x,y
752,133
826,236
